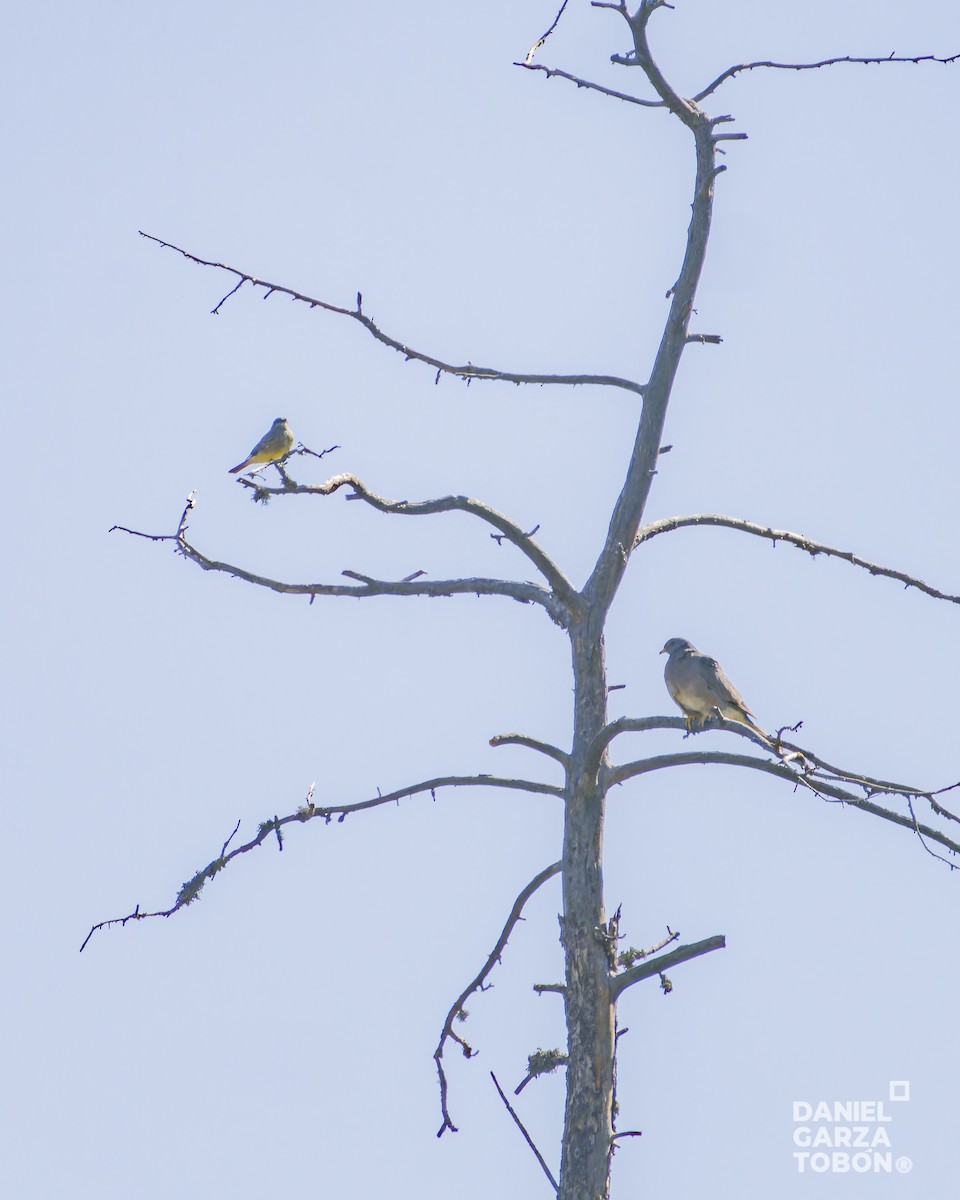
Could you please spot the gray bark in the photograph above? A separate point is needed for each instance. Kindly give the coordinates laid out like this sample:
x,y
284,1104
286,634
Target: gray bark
x,y
589,997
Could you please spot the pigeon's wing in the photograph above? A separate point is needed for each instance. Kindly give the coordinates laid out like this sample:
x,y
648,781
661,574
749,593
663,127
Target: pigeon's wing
x,y
727,699
717,684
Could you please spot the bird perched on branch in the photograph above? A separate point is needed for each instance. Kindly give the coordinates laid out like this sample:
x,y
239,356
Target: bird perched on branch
x,y
275,444
701,689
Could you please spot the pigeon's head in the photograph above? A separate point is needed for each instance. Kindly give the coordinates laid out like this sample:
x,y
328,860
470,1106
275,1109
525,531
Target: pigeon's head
x,y
677,646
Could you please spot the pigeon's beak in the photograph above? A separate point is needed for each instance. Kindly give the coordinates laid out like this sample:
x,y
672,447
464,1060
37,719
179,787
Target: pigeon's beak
x,y
663,651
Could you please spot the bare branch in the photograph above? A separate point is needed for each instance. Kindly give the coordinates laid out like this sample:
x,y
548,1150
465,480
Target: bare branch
x,y
668,524
519,1123
536,45
823,788
625,520
418,508
826,62
593,87
520,739
468,371
655,966
870,785
808,768
310,811
476,984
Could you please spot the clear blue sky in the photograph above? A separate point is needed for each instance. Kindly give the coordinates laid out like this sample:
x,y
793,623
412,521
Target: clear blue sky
x,y
276,1038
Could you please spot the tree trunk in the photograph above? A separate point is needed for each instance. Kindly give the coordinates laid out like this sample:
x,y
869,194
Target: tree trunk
x,y
588,1120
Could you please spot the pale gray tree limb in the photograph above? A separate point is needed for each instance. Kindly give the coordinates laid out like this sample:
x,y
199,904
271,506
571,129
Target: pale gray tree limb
x,y
802,757
523,593
824,788
656,966
521,739
814,66
550,72
628,511
813,548
467,371
310,811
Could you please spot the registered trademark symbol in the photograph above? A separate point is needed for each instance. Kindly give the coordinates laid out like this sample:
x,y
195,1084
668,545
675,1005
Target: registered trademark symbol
x,y
904,1164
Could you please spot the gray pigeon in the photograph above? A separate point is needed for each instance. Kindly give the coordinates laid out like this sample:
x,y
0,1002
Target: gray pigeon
x,y
698,685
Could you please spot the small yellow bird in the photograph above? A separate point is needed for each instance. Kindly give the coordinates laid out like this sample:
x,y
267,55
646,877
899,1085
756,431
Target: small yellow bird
x,y
275,444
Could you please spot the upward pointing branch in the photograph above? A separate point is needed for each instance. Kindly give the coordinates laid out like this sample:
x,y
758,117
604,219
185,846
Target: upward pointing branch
x,y
612,562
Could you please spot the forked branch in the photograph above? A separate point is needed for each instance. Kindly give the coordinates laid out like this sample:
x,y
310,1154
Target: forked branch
x,y
418,508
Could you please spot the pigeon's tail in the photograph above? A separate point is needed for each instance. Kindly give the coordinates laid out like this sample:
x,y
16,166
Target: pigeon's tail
x,y
743,716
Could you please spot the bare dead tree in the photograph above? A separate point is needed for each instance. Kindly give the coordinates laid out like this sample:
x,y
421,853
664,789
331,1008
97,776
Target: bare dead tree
x,y
597,971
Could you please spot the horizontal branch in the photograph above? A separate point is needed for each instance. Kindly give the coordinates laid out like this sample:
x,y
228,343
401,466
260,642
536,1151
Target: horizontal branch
x,y
824,788
668,524
593,87
656,966
814,66
309,812
456,1009
418,508
467,371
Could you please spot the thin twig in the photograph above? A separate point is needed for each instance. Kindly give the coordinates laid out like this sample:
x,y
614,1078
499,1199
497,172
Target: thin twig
x,y
536,45
527,1137
475,984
